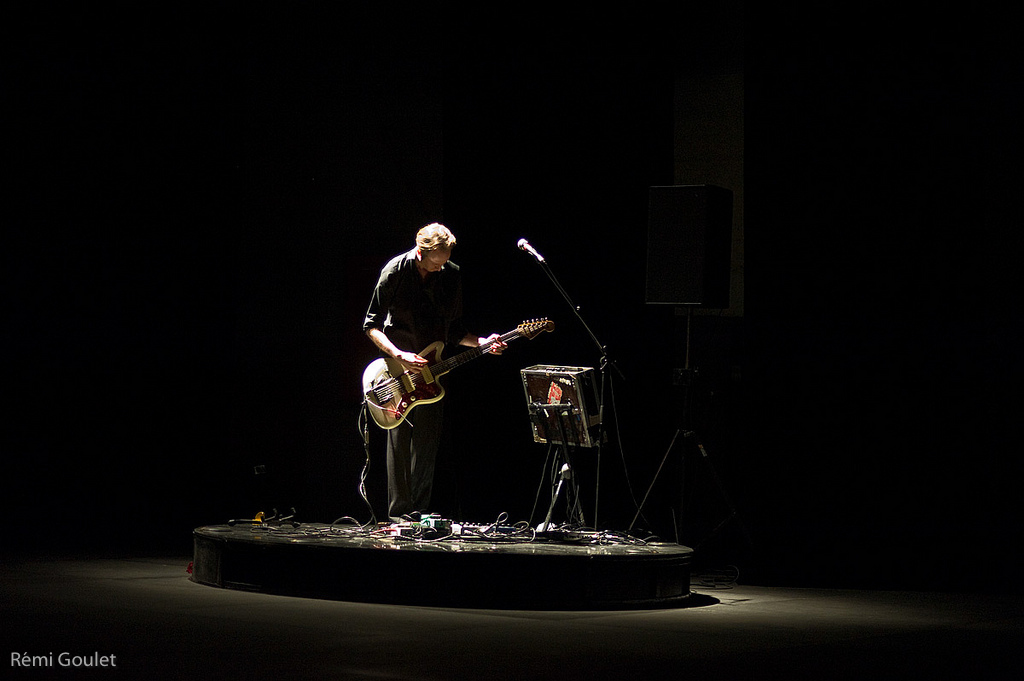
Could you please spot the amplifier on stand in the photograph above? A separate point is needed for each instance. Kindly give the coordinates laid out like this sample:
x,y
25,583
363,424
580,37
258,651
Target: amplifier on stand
x,y
563,404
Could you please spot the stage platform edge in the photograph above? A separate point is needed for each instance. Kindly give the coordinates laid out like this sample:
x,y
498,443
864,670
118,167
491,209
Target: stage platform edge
x,y
563,571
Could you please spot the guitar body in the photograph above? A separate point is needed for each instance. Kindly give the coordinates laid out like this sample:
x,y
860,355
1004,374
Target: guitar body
x,y
392,392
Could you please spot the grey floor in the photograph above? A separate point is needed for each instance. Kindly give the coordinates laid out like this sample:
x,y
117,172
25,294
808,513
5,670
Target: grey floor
x,y
160,625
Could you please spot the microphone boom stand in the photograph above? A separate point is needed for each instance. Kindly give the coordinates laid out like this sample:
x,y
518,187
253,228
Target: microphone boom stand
x,y
605,362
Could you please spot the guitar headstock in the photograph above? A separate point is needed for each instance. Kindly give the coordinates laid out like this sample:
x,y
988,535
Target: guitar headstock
x,y
532,328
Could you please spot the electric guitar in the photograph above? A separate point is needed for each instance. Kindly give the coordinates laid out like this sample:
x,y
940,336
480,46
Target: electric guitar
x,y
391,391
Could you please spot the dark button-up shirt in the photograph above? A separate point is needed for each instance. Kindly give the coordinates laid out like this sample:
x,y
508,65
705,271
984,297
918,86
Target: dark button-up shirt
x,y
415,312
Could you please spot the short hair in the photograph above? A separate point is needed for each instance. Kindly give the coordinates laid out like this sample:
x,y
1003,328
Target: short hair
x,y
434,236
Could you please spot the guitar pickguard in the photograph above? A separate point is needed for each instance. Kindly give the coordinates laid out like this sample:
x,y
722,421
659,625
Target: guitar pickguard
x,y
391,392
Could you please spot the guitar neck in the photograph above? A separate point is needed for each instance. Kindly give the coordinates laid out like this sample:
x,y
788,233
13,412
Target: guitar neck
x,y
446,365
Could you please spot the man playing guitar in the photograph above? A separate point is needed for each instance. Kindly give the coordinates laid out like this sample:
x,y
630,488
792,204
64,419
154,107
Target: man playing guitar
x,y
416,303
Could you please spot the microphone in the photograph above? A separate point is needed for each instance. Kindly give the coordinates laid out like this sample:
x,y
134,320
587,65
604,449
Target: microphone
x,y
524,245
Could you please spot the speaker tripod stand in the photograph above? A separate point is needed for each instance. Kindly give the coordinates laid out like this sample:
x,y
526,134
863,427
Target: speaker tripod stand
x,y
691,443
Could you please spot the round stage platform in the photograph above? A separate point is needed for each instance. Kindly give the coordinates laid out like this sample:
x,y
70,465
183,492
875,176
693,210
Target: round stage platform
x,y
454,566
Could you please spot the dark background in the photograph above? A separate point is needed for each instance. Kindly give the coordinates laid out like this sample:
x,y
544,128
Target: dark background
x,y
198,206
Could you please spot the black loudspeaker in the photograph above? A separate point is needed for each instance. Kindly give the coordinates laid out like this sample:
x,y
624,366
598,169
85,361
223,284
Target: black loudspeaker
x,y
689,245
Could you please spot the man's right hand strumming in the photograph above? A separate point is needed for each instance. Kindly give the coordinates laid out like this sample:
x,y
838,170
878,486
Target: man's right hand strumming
x,y
411,361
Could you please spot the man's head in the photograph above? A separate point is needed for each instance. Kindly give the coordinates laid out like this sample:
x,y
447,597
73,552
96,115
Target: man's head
x,y
434,235
433,247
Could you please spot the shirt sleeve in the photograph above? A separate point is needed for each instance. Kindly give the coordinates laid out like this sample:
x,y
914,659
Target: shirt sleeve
x,y
383,292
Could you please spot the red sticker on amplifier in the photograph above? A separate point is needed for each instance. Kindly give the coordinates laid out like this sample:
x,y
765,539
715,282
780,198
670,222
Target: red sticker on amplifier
x,y
554,393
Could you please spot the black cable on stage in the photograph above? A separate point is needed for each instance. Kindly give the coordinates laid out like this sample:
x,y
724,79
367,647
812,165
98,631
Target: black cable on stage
x,y
363,425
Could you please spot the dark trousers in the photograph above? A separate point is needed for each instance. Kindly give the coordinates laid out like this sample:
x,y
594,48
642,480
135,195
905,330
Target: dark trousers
x,y
412,452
